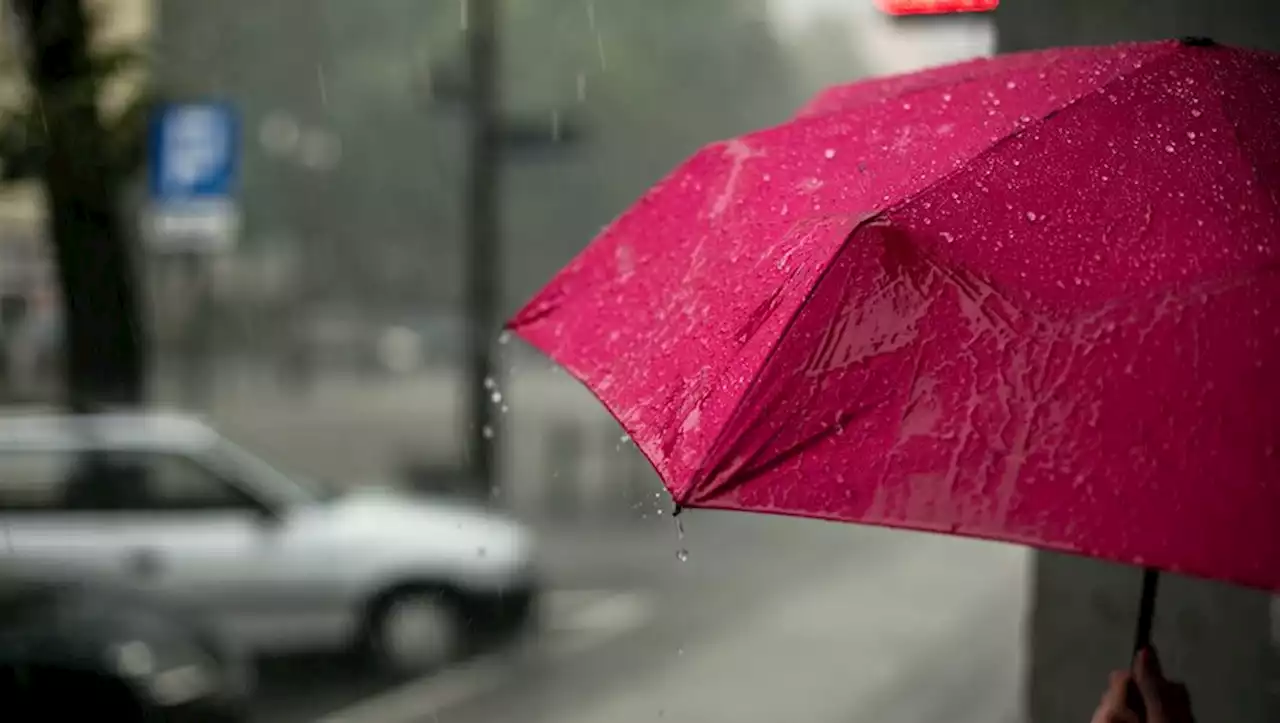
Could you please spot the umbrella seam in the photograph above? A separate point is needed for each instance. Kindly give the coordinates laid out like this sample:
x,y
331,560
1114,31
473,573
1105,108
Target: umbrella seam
x,y
714,452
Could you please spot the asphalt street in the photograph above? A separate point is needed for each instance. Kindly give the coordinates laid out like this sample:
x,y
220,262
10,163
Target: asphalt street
x,y
767,620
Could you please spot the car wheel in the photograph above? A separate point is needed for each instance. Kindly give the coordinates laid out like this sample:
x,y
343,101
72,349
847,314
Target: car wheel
x,y
415,631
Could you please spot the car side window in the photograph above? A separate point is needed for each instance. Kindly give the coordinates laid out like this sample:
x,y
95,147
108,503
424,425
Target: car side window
x,y
111,481
177,482
33,480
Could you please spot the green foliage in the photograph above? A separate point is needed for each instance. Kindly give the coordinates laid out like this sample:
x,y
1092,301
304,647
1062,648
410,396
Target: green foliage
x,y
23,136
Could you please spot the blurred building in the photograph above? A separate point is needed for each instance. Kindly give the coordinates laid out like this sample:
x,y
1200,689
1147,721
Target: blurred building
x,y
1217,637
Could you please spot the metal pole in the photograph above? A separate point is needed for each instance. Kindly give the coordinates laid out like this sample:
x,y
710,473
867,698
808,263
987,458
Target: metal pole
x,y
198,342
482,257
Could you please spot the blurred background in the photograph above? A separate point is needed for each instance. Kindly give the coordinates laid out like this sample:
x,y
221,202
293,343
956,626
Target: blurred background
x,y
397,177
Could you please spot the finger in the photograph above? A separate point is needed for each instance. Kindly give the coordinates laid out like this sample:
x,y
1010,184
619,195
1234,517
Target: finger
x,y
1148,662
1114,715
1151,682
1113,699
1178,702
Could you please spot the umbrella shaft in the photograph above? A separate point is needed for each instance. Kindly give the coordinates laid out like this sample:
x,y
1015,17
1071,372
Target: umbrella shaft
x,y
1146,609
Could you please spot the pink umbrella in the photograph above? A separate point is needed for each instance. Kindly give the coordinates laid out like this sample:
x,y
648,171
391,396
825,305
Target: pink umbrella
x,y
1029,299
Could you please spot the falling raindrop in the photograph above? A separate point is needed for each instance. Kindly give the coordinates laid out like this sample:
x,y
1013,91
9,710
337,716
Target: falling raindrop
x,y
582,87
604,61
490,383
682,555
323,84
487,431
496,397
504,338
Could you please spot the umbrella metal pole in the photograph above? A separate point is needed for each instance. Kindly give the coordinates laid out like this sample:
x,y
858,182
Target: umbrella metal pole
x,y
1142,636
1146,609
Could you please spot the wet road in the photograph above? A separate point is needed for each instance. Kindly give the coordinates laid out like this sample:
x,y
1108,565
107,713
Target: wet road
x,y
769,620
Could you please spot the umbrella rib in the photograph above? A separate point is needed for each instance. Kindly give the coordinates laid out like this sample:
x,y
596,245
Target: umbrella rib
x,y
718,451
1235,127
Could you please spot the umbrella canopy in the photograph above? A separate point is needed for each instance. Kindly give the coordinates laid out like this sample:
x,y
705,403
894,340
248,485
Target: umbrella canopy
x,y
1031,298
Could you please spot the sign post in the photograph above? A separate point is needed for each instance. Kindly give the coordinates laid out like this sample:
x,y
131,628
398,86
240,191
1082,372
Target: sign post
x,y
194,159
192,213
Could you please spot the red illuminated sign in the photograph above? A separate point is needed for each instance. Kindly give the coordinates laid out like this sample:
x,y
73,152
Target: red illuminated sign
x,y
935,7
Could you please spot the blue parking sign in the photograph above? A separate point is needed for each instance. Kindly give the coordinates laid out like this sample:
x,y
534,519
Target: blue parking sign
x,y
194,153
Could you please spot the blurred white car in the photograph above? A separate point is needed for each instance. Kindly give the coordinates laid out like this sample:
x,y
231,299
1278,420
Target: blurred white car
x,y
162,500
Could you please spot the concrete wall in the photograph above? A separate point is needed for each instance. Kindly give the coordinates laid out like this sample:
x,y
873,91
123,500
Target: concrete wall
x,y
1215,637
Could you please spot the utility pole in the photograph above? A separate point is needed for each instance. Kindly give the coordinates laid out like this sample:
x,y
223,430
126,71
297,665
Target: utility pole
x,y
482,257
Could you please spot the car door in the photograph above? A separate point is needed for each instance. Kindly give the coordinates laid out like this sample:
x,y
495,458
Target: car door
x,y
46,535
169,523
206,539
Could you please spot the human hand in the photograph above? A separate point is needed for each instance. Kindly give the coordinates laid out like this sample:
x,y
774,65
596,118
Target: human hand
x,y
1164,700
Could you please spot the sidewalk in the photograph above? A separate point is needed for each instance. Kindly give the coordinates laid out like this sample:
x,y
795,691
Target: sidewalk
x,y
931,633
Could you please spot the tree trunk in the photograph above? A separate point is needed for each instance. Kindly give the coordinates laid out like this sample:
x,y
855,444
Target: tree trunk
x,y
104,355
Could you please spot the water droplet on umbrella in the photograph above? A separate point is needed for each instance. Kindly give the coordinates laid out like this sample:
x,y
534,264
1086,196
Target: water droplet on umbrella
x,y
1195,113
1031,216
1169,148
1191,135
829,153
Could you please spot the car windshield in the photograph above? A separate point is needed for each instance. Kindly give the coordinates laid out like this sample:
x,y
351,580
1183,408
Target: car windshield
x,y
286,488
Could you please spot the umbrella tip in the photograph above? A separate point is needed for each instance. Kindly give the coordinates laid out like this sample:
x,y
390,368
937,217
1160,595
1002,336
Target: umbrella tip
x,y
676,509
1197,41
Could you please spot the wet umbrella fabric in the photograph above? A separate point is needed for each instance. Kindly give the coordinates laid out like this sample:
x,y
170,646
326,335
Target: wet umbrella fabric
x,y
1032,298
